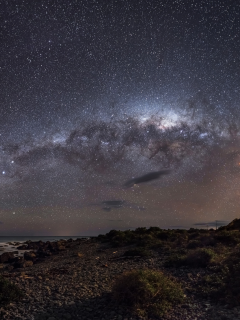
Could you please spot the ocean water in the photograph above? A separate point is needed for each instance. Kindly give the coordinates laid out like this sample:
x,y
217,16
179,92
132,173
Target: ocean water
x,y
4,239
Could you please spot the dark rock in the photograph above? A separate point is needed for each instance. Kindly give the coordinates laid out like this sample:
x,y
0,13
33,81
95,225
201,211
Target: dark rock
x,y
21,263
27,263
22,247
30,256
9,267
6,256
61,248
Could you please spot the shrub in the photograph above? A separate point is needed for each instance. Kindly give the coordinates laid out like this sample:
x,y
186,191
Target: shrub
x,y
164,235
154,229
158,244
147,292
199,258
113,233
193,230
193,244
207,240
101,237
146,240
228,237
141,230
175,260
9,292
193,235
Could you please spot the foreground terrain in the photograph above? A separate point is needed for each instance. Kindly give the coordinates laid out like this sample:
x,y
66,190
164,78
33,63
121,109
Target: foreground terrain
x,y
74,279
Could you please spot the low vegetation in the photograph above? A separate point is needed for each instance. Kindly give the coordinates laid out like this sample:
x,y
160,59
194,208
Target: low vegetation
x,y
199,258
140,252
215,251
9,292
147,292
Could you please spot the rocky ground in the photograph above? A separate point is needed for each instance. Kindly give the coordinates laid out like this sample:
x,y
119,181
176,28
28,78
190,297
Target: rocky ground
x,y
74,282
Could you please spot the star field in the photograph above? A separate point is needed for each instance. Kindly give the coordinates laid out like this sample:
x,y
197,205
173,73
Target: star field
x,y
95,93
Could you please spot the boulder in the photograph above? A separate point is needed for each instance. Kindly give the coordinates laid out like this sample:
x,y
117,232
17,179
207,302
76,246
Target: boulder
x,y
34,245
22,247
61,248
9,268
30,256
19,262
6,256
27,264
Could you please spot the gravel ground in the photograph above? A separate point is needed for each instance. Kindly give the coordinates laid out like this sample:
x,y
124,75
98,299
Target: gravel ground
x,y
76,284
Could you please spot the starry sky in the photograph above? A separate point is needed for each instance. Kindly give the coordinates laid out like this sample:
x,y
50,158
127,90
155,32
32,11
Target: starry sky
x,y
95,93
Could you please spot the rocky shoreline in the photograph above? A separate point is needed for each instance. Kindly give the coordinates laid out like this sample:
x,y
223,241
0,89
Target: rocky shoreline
x,y
72,280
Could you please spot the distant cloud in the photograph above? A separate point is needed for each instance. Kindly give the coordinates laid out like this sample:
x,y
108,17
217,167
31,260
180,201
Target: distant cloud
x,y
212,223
146,178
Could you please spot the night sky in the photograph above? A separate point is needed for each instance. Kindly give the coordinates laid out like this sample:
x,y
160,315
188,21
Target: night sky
x,y
96,93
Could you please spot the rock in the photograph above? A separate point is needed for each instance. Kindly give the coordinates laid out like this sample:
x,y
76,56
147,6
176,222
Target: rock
x,y
6,256
22,247
18,262
28,263
29,256
61,248
9,268
21,263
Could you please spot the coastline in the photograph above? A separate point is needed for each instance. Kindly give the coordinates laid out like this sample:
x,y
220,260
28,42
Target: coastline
x,y
75,283
10,243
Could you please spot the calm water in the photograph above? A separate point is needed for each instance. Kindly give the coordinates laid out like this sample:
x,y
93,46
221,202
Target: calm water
x,y
35,238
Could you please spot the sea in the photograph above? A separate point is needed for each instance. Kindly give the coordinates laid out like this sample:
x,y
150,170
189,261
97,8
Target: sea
x,y
4,239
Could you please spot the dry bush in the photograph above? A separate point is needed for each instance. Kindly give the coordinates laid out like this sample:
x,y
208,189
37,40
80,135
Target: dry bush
x,y
147,292
9,292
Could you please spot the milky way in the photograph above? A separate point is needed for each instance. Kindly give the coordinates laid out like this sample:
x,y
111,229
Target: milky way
x,y
96,93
